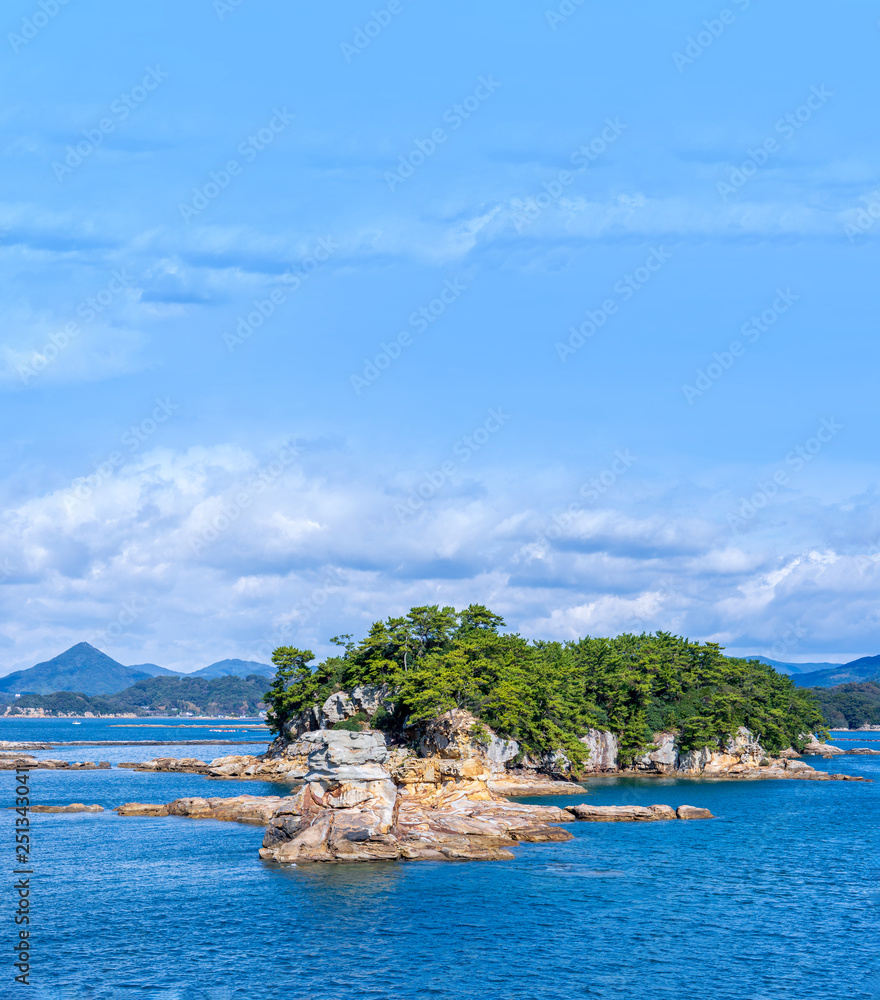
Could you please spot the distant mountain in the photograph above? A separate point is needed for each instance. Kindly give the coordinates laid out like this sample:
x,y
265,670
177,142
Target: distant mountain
x,y
867,668
158,696
154,670
234,668
81,668
88,671
792,668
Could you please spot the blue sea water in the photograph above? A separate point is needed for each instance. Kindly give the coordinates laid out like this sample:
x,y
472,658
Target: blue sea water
x,y
774,899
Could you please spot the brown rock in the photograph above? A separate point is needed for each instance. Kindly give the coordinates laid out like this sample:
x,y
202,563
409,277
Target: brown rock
x,y
258,809
502,784
541,834
611,814
693,812
476,854
662,812
74,807
142,809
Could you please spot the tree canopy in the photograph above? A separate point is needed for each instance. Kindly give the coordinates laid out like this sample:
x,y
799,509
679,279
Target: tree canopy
x,y
850,706
546,695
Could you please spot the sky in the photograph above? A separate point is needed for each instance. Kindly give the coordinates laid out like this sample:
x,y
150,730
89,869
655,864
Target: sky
x,y
314,313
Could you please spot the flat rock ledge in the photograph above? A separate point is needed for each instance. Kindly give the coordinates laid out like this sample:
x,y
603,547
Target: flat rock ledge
x,y
257,809
634,814
828,750
18,761
74,807
503,784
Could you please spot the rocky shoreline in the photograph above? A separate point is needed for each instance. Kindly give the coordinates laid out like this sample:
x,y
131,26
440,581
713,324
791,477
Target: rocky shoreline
x,y
449,745
442,797
358,804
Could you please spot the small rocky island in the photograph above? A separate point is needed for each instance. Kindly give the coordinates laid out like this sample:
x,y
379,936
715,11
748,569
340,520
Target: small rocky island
x,y
409,744
440,798
362,802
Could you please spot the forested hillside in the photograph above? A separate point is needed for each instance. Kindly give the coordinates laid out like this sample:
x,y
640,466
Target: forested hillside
x,y
850,706
547,694
160,696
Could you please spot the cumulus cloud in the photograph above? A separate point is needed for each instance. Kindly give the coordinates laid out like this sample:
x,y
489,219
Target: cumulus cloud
x,y
178,557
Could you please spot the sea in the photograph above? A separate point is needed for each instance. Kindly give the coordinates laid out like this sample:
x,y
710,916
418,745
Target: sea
x,y
774,899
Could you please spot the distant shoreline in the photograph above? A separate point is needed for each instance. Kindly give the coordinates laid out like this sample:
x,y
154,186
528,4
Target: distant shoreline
x,y
253,720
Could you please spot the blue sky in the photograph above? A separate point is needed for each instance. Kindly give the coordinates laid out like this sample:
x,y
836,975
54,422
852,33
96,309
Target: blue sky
x,y
312,315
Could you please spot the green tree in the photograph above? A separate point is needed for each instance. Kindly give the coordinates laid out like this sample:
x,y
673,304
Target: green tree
x,y
293,686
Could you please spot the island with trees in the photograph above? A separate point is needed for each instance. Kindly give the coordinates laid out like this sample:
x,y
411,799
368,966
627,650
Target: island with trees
x,y
544,695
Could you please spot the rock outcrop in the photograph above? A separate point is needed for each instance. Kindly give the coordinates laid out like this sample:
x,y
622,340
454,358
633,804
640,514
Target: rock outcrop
x,y
365,699
693,812
603,748
829,750
740,756
456,748
362,803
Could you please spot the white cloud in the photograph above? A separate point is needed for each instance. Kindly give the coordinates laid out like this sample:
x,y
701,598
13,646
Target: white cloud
x,y
223,552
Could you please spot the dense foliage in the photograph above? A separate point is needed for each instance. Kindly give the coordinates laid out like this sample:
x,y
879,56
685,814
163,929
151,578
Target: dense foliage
x,y
159,696
850,706
547,694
